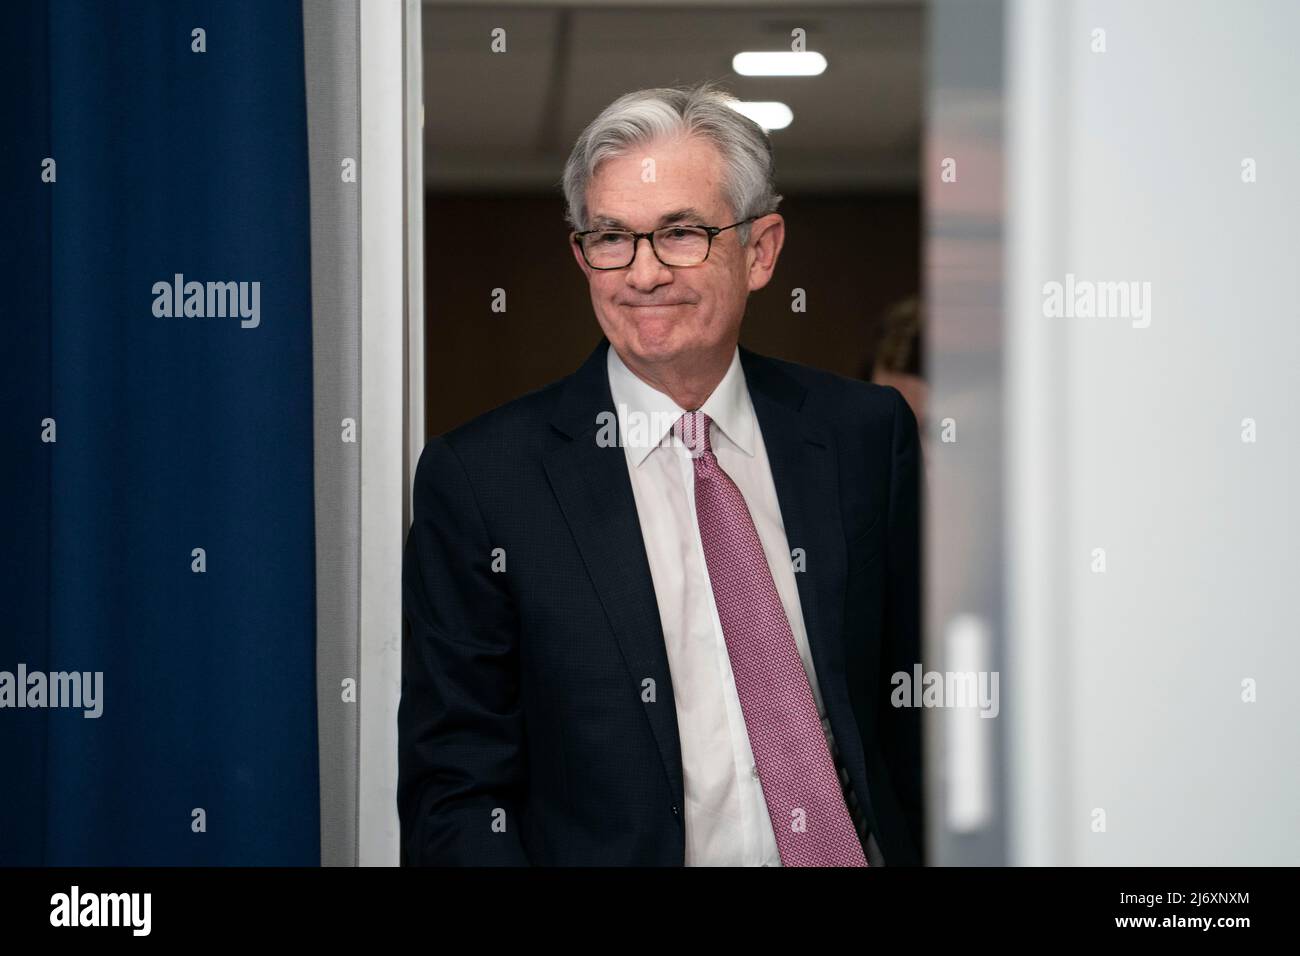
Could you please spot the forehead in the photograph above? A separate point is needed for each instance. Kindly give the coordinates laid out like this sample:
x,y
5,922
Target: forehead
x,y
654,183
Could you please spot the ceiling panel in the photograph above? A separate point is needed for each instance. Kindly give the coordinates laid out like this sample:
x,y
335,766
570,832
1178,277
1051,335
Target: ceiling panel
x,y
507,120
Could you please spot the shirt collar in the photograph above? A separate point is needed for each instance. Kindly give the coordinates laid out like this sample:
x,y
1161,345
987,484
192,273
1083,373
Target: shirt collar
x,y
728,406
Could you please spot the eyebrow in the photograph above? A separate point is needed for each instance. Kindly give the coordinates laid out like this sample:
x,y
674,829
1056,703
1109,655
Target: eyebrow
x,y
678,215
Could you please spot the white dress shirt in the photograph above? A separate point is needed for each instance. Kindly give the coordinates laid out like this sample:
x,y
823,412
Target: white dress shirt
x,y
726,818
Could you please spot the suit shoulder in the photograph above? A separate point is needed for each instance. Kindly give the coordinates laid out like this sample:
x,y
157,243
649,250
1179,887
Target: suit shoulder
x,y
504,433
840,396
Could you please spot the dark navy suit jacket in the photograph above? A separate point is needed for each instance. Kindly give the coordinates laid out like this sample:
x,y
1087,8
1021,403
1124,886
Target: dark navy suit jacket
x,y
523,734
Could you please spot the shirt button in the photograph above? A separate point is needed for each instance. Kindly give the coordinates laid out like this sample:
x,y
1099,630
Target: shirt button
x,y
753,770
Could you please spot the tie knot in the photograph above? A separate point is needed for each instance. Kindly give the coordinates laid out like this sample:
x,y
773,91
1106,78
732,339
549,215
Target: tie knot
x,y
692,430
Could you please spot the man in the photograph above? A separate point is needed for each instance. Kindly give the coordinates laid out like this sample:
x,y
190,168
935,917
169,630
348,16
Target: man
x,y
654,608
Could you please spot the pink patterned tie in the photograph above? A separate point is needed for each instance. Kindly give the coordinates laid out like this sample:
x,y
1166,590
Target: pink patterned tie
x,y
800,785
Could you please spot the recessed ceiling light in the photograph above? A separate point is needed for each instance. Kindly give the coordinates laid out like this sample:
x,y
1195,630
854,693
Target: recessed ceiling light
x,y
769,115
778,63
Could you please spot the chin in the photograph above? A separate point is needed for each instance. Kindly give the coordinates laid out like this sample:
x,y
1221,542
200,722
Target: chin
x,y
652,340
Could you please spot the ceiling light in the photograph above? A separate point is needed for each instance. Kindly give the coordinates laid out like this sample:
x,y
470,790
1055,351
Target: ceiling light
x,y
769,115
778,63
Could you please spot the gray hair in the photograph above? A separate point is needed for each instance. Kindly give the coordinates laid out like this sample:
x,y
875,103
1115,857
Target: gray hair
x,y
645,116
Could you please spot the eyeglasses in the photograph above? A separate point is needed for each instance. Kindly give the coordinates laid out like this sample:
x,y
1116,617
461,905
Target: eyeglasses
x,y
672,245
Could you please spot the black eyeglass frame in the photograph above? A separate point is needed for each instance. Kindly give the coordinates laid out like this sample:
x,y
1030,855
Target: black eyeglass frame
x,y
712,232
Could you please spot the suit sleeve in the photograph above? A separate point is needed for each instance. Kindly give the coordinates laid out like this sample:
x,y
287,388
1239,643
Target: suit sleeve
x,y
901,740
460,726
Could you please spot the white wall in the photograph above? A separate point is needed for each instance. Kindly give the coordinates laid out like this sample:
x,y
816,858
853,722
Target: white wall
x,y
1127,689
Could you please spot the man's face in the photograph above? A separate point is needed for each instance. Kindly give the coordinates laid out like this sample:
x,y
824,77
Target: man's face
x,y
654,315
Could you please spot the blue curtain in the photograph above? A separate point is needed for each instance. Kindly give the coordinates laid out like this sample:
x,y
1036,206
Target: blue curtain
x,y
171,433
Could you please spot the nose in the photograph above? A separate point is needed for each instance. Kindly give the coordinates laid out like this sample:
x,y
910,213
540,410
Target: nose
x,y
646,272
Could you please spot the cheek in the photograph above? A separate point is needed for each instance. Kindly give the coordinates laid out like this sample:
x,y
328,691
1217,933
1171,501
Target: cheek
x,y
725,291
603,293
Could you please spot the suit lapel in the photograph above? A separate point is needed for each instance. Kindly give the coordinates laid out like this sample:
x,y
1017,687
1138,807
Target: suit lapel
x,y
802,456
594,491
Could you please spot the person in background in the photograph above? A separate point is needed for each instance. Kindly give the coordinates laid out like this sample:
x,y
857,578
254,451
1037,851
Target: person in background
x,y
899,354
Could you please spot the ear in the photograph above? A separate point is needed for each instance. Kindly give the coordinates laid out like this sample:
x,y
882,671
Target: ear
x,y
766,237
577,255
